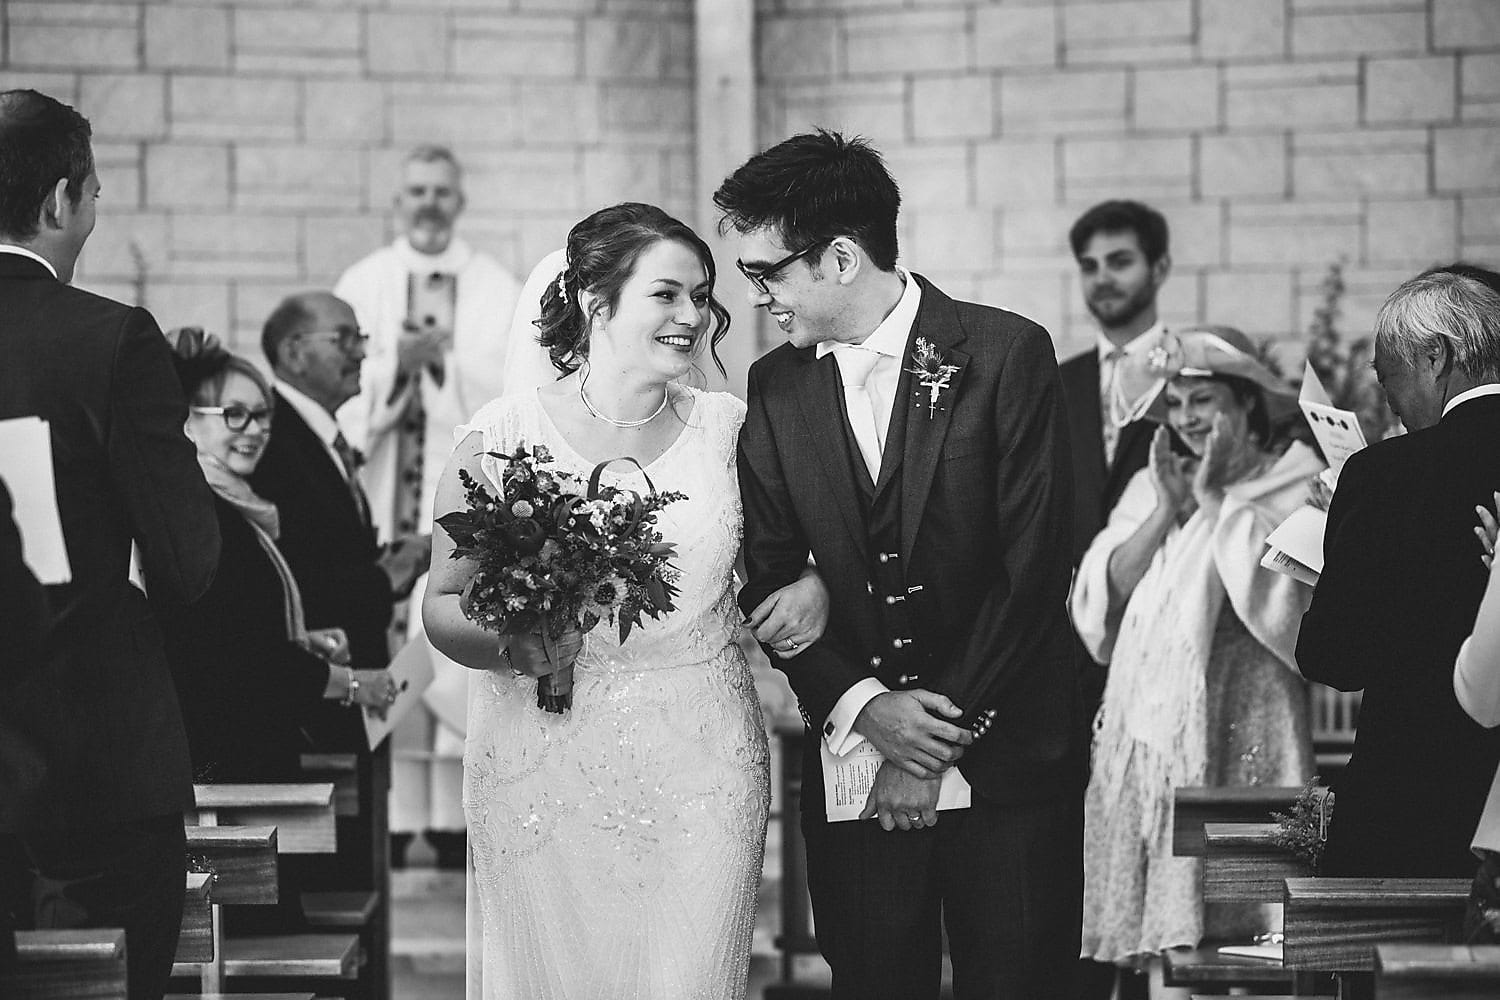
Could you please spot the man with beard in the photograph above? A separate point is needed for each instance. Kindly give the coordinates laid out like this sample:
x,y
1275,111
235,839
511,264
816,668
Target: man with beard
x,y
1121,249
437,313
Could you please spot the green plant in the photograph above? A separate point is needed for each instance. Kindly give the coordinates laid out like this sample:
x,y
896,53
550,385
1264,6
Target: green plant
x,y
1304,830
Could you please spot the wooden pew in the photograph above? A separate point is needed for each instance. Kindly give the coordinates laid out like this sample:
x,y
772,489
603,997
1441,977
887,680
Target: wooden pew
x,y
195,941
1419,971
1333,924
303,814
340,769
1195,807
66,965
242,860
1243,864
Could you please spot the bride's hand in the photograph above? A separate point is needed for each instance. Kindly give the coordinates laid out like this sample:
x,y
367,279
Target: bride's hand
x,y
792,618
528,656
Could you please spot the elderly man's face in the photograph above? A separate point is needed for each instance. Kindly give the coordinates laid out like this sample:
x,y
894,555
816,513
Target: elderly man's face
x,y
429,201
1414,392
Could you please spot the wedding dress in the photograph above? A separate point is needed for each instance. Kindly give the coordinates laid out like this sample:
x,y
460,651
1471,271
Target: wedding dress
x,y
617,849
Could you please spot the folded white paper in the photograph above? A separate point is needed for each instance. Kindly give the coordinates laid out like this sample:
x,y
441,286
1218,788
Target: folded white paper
x,y
1269,952
847,781
412,672
26,467
1296,546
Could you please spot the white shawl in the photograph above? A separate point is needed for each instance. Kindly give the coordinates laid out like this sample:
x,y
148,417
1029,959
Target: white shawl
x,y
1154,702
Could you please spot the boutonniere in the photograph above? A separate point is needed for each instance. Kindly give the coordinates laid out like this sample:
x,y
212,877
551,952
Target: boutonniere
x,y
933,373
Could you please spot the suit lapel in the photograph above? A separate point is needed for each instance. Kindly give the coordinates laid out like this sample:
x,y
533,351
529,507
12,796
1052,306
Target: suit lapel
x,y
820,405
315,461
925,431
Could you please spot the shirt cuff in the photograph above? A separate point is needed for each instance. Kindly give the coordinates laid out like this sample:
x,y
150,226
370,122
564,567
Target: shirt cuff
x,y
838,729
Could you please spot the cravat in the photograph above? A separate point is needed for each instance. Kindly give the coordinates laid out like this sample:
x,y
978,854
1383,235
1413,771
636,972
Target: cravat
x,y
351,475
855,367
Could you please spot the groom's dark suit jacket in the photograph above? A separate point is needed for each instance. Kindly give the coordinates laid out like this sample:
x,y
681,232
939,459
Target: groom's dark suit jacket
x,y
101,708
1400,587
985,494
331,549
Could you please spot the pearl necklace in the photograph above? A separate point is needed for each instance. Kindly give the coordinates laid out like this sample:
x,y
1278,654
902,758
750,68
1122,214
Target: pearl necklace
x,y
622,423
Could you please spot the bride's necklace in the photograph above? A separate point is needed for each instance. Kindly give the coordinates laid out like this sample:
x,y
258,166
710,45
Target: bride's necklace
x,y
622,423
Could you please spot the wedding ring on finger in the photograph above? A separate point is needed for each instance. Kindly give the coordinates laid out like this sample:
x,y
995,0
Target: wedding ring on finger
x,y
791,644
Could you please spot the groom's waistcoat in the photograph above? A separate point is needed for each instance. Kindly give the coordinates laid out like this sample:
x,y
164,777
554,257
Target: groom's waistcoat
x,y
898,658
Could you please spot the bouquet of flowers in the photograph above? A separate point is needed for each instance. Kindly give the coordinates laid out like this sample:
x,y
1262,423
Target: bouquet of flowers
x,y
557,556
1304,830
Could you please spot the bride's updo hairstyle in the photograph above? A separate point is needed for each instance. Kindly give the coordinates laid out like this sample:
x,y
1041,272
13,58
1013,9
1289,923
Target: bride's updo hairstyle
x,y
602,252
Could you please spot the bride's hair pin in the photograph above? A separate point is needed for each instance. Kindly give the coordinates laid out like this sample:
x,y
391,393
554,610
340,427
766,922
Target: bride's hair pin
x,y
562,282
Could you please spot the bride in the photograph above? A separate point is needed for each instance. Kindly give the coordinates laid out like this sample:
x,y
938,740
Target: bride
x,y
617,849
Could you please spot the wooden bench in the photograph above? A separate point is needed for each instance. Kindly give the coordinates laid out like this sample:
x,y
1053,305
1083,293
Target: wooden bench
x,y
340,769
195,941
1193,808
1419,971
239,996
242,860
303,814
1243,864
67,965
342,910
1333,924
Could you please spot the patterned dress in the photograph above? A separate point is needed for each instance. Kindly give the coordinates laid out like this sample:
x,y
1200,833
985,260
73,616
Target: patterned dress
x,y
617,850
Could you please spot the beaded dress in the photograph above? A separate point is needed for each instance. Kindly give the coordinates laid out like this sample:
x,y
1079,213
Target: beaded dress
x,y
617,849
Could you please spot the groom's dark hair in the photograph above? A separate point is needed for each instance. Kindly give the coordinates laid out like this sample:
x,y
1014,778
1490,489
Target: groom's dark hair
x,y
812,188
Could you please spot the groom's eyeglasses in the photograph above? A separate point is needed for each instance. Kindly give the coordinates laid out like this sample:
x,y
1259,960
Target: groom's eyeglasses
x,y
237,417
759,275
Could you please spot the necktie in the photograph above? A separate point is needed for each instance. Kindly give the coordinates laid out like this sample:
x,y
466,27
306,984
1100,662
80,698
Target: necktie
x,y
351,475
1109,374
855,367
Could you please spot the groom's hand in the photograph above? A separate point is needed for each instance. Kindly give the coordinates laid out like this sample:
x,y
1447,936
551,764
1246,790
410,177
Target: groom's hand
x,y
899,800
907,728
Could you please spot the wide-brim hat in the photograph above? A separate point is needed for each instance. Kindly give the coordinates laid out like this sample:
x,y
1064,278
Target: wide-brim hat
x,y
1210,352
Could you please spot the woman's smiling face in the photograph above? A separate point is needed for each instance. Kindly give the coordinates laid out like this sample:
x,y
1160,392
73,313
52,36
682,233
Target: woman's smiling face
x,y
662,318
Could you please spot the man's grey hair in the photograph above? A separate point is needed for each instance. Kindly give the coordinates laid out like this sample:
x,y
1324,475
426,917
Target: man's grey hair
x,y
434,153
1441,310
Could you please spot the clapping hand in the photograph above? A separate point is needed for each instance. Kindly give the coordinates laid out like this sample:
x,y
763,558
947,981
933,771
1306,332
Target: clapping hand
x,y
1487,530
899,800
1173,475
792,618
1227,458
420,347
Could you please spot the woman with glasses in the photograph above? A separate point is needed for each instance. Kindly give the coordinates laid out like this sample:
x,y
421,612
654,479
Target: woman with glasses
x,y
246,666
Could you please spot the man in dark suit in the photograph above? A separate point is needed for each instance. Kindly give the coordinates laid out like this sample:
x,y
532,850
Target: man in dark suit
x,y
310,472
937,507
1123,260
1401,583
104,831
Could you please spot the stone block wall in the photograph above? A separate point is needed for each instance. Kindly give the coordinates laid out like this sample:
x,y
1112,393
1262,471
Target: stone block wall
x,y
249,148
1278,136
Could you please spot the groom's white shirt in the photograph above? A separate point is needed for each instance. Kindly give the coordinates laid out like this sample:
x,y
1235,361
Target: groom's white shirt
x,y
889,341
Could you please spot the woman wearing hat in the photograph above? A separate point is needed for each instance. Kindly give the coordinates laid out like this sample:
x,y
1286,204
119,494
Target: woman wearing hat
x,y
1203,688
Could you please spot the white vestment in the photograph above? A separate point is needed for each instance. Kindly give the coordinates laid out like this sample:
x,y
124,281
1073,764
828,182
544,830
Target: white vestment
x,y
428,748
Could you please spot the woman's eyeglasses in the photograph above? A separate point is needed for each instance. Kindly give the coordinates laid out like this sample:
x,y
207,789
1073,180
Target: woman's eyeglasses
x,y
236,417
759,275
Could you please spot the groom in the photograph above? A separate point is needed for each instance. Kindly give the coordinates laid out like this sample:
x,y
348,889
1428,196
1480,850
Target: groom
x,y
937,507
